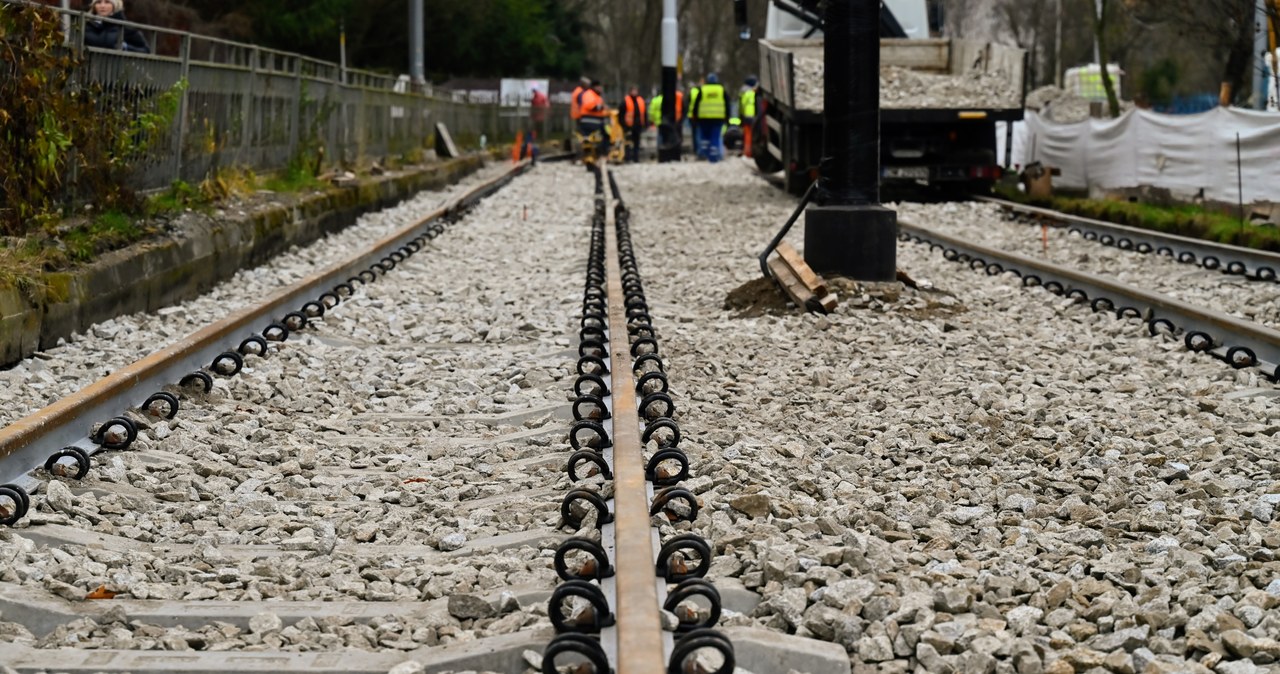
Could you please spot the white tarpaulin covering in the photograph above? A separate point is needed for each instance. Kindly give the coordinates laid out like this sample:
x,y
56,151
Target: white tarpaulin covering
x,y
1181,153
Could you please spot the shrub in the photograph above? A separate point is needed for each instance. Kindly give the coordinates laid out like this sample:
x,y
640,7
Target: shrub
x,y
51,124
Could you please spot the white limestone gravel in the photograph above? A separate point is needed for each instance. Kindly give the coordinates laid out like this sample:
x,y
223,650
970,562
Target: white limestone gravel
x,y
904,88
984,224
975,477
54,373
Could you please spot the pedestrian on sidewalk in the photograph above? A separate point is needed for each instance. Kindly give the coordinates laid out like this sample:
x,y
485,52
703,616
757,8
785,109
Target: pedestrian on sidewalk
x,y
106,35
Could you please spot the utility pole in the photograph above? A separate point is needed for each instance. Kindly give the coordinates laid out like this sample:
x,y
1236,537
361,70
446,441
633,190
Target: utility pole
x,y
669,130
416,21
849,233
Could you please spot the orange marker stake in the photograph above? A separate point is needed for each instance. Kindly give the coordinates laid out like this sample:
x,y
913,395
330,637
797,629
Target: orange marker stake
x,y
1044,239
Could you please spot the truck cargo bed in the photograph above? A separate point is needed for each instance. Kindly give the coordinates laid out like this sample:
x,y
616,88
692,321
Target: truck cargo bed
x,y
935,74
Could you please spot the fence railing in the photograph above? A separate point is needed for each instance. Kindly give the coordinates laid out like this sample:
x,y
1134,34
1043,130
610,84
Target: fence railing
x,y
262,109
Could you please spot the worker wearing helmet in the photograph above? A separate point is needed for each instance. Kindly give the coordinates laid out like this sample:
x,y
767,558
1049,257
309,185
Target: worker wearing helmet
x,y
710,110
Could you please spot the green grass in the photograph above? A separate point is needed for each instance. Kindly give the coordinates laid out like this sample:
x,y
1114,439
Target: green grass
x,y
1185,220
179,197
59,246
294,179
108,231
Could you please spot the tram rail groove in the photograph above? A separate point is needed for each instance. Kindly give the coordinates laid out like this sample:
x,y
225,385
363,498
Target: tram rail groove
x,y
26,443
1249,263
1235,341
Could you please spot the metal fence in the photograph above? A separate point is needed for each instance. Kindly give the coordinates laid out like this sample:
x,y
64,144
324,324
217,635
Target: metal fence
x,y
251,107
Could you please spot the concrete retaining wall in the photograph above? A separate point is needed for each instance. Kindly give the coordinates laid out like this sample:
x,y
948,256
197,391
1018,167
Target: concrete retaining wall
x,y
152,275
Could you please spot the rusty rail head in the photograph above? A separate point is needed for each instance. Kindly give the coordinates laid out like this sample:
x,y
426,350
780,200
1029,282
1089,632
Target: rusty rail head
x,y
640,643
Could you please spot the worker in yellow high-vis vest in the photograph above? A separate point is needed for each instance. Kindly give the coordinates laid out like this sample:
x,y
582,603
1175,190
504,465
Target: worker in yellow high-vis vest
x,y
710,110
747,112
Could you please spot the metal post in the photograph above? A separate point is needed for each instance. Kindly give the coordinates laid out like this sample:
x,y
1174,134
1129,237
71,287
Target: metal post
x,y
1239,182
342,50
182,106
1057,49
416,28
246,102
1259,56
66,21
849,232
295,129
1097,51
669,130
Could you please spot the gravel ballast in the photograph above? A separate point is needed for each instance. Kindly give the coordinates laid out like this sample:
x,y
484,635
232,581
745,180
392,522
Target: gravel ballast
x,y
970,477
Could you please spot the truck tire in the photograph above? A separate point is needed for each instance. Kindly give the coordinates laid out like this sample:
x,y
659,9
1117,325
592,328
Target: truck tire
x,y
765,162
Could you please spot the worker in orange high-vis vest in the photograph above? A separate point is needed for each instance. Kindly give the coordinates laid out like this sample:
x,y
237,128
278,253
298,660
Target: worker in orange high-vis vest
x,y
575,113
583,85
592,117
634,120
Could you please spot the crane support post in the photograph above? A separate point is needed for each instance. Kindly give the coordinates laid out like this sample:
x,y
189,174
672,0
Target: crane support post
x,y
849,233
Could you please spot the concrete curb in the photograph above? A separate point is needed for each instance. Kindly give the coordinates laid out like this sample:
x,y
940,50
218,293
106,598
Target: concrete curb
x,y
156,274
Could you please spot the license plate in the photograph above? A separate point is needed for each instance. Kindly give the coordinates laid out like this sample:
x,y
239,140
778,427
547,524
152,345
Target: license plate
x,y
908,172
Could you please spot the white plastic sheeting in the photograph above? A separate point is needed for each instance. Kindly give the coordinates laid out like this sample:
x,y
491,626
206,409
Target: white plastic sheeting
x,y
1181,153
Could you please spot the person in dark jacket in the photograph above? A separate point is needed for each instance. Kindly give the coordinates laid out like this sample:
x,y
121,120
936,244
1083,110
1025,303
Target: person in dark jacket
x,y
105,35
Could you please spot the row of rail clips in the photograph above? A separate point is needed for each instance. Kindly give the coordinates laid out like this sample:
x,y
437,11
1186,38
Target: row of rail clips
x,y
1210,261
672,506
120,432
1237,356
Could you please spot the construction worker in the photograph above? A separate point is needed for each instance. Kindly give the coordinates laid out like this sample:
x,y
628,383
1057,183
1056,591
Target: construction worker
x,y
634,120
693,118
655,109
669,134
747,112
583,84
575,111
593,115
710,110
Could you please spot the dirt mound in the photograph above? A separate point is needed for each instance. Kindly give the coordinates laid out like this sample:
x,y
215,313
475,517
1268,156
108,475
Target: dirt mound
x,y
758,297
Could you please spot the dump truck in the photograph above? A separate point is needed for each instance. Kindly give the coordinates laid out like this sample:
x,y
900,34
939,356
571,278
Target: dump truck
x,y
940,100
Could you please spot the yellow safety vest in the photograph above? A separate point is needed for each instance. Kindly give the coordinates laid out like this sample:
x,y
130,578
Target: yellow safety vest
x,y
747,103
710,103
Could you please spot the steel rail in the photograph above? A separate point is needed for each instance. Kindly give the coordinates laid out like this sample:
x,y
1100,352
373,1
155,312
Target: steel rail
x,y
1227,333
26,443
641,644
1256,265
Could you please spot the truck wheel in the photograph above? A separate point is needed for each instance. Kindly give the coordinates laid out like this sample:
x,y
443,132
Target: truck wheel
x,y
766,162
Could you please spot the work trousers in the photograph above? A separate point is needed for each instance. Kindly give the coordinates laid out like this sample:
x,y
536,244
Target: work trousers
x,y
632,133
710,144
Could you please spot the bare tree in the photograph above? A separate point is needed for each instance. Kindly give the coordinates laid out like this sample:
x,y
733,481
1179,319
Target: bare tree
x,y
1030,23
1222,31
624,41
1100,18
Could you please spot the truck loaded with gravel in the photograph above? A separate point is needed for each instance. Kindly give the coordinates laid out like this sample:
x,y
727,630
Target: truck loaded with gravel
x,y
940,100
